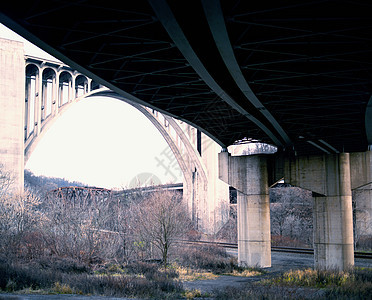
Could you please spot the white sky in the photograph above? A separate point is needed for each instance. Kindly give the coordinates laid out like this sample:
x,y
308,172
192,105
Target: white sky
x,y
101,141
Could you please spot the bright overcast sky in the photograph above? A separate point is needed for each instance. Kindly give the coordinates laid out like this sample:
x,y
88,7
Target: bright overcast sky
x,y
101,142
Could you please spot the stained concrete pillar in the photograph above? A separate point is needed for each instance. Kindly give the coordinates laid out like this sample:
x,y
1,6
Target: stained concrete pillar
x,y
249,176
328,176
361,185
12,107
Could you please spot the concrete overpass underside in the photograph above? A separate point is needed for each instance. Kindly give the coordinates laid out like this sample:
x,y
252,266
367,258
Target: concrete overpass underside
x,y
296,75
292,74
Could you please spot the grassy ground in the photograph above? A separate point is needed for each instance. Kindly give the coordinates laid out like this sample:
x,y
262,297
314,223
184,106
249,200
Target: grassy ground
x,y
307,284
150,280
136,279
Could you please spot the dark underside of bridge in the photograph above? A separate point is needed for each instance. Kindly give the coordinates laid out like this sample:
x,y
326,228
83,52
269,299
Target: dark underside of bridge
x,y
297,74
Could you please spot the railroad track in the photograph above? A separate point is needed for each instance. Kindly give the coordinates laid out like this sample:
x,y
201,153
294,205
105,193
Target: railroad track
x,y
357,254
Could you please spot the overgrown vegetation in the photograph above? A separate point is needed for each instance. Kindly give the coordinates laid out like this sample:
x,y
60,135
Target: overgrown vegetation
x,y
307,284
353,284
92,241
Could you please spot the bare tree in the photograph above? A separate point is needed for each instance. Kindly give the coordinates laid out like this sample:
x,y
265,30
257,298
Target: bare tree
x,y
291,213
160,220
6,180
19,217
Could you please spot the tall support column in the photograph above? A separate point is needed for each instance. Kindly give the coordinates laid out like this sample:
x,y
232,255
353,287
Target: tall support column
x,y
328,176
249,175
333,218
12,108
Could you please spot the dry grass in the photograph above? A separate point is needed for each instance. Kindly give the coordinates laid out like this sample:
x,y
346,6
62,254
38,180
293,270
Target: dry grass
x,y
188,274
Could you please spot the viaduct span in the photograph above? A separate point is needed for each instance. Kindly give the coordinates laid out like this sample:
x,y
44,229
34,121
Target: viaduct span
x,y
51,87
296,75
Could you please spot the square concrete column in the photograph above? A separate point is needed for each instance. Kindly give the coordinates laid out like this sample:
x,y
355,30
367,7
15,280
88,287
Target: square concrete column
x,y
328,176
249,176
333,218
12,106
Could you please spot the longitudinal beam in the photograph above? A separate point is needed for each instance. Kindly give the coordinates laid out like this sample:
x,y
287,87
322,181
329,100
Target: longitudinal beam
x,y
216,22
174,30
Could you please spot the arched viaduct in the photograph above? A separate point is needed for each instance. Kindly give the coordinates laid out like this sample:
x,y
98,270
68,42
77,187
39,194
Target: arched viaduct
x,y
293,74
51,87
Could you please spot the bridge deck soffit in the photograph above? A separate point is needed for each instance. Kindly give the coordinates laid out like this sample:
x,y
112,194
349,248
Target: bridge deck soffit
x,y
295,75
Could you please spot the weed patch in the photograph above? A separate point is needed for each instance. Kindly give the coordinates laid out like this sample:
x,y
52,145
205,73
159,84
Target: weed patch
x,y
194,294
188,274
353,284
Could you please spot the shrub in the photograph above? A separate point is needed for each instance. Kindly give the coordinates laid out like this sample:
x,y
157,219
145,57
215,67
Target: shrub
x,y
123,286
154,283
62,264
62,288
16,277
212,258
139,267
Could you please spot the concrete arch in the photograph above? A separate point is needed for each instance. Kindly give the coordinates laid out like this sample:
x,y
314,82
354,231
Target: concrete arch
x,y
81,85
199,195
65,87
32,143
172,144
49,79
184,165
196,187
31,98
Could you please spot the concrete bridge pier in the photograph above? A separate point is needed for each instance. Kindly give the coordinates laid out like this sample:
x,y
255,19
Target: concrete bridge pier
x,y
329,177
12,102
333,218
249,176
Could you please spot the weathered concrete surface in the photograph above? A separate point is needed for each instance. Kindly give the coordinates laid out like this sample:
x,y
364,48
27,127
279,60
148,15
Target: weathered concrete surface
x,y
363,210
360,169
12,98
329,177
361,185
218,197
249,175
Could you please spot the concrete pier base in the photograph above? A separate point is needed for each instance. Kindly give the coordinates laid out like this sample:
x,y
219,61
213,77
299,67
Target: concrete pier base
x,y
249,176
254,244
333,218
333,233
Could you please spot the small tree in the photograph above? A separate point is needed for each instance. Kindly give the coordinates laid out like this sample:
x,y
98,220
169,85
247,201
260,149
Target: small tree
x,y
160,220
19,217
